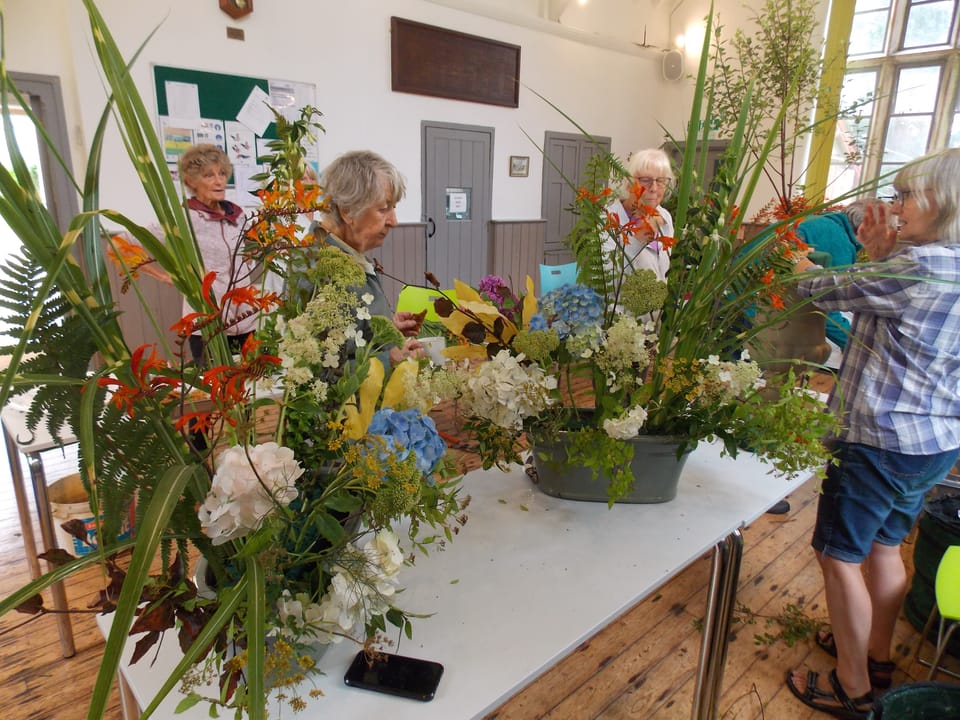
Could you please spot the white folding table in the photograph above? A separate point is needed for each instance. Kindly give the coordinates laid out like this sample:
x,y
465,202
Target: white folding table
x,y
528,579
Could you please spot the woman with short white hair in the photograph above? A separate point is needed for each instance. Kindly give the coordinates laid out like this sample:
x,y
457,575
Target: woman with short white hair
x,y
639,208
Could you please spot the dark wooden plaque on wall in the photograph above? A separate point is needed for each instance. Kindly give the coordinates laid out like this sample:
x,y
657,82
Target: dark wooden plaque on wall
x,y
428,60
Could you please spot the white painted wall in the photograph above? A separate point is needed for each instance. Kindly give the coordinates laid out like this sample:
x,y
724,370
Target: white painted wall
x,y
344,48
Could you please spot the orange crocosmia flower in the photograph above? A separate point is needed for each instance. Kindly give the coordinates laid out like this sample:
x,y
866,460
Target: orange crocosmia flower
x,y
607,191
250,296
667,242
306,194
188,323
226,384
142,367
207,289
258,231
613,222
199,422
286,231
270,197
767,277
130,253
777,302
249,353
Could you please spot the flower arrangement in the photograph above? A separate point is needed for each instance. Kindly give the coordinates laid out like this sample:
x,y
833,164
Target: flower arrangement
x,y
643,356
302,471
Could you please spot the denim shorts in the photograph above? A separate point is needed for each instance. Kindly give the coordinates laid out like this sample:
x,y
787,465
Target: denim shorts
x,y
873,496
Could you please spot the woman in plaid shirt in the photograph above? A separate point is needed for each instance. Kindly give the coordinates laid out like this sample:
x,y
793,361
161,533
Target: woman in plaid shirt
x,y
898,390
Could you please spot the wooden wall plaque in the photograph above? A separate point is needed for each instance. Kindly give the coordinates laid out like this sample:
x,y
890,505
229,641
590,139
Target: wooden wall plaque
x,y
429,60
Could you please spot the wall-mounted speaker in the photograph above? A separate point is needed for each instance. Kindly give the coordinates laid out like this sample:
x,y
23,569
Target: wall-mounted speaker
x,y
672,65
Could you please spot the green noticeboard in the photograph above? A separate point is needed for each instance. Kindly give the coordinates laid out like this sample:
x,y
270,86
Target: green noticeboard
x,y
221,96
230,111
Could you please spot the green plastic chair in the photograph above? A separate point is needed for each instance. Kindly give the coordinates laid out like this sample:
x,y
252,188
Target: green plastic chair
x,y
947,606
416,299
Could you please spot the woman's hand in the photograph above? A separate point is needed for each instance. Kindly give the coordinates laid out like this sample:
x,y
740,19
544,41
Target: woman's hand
x,y
411,349
875,232
409,323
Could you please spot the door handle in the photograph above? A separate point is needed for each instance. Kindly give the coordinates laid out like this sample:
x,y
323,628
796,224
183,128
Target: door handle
x,y
431,228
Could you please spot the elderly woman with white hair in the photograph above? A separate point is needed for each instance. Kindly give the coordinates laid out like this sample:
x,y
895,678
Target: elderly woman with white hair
x,y
641,195
363,190
899,382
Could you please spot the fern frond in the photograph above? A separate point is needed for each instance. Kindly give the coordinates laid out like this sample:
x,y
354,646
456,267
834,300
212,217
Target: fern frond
x,y
54,329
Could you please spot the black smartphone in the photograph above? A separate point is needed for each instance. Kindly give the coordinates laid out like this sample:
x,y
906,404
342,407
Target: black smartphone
x,y
395,675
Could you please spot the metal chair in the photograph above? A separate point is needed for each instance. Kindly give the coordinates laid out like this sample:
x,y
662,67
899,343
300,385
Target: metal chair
x,y
947,606
554,276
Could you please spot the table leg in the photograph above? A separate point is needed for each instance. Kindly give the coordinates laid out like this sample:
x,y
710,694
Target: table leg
x,y
721,599
23,508
49,543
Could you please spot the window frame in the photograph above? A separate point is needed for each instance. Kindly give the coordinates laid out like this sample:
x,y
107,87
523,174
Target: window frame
x,y
888,66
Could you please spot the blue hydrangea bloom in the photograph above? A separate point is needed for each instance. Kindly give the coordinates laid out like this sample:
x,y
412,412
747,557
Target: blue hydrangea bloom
x,y
538,322
413,431
572,308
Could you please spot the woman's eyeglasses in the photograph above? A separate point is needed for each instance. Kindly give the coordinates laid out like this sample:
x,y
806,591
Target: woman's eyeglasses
x,y
895,196
649,181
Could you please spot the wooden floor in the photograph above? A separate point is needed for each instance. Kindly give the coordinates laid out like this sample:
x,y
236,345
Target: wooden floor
x,y
640,667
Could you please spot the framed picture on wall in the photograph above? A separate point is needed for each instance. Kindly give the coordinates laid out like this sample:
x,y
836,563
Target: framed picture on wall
x,y
519,165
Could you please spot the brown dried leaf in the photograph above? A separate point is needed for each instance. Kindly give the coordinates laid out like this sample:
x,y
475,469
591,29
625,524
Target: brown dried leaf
x,y
158,618
32,606
76,528
444,307
474,332
57,556
144,644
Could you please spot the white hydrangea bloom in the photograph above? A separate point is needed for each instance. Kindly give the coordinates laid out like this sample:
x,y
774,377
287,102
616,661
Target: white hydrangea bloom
x,y
245,491
505,392
628,426
384,552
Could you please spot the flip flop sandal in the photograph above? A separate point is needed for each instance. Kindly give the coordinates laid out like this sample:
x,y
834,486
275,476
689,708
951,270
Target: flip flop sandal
x,y
837,703
881,672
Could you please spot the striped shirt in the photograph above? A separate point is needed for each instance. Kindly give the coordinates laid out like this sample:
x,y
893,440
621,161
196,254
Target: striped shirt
x,y
899,380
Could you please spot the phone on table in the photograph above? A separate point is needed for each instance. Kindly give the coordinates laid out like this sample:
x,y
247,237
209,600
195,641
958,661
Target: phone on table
x,y
395,675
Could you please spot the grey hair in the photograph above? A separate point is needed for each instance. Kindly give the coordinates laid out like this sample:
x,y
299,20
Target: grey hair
x,y
857,209
938,174
648,160
199,157
354,183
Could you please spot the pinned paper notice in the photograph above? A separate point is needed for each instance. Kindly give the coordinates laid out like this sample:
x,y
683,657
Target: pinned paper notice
x,y
183,99
255,113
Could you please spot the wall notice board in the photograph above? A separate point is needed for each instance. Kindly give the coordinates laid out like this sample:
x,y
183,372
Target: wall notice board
x,y
230,111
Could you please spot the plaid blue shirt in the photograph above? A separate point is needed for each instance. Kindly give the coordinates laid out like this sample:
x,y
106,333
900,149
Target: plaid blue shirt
x,y
899,380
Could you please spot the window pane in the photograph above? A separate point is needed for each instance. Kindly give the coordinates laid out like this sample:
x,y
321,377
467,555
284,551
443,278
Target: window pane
x,y
868,33
954,140
864,5
917,90
928,23
907,138
885,186
858,91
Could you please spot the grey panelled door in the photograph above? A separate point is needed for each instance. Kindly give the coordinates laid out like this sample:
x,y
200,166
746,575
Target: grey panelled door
x,y
457,181
566,157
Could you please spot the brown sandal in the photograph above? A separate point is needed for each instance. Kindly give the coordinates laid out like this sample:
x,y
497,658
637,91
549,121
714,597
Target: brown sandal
x,y
836,703
881,671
